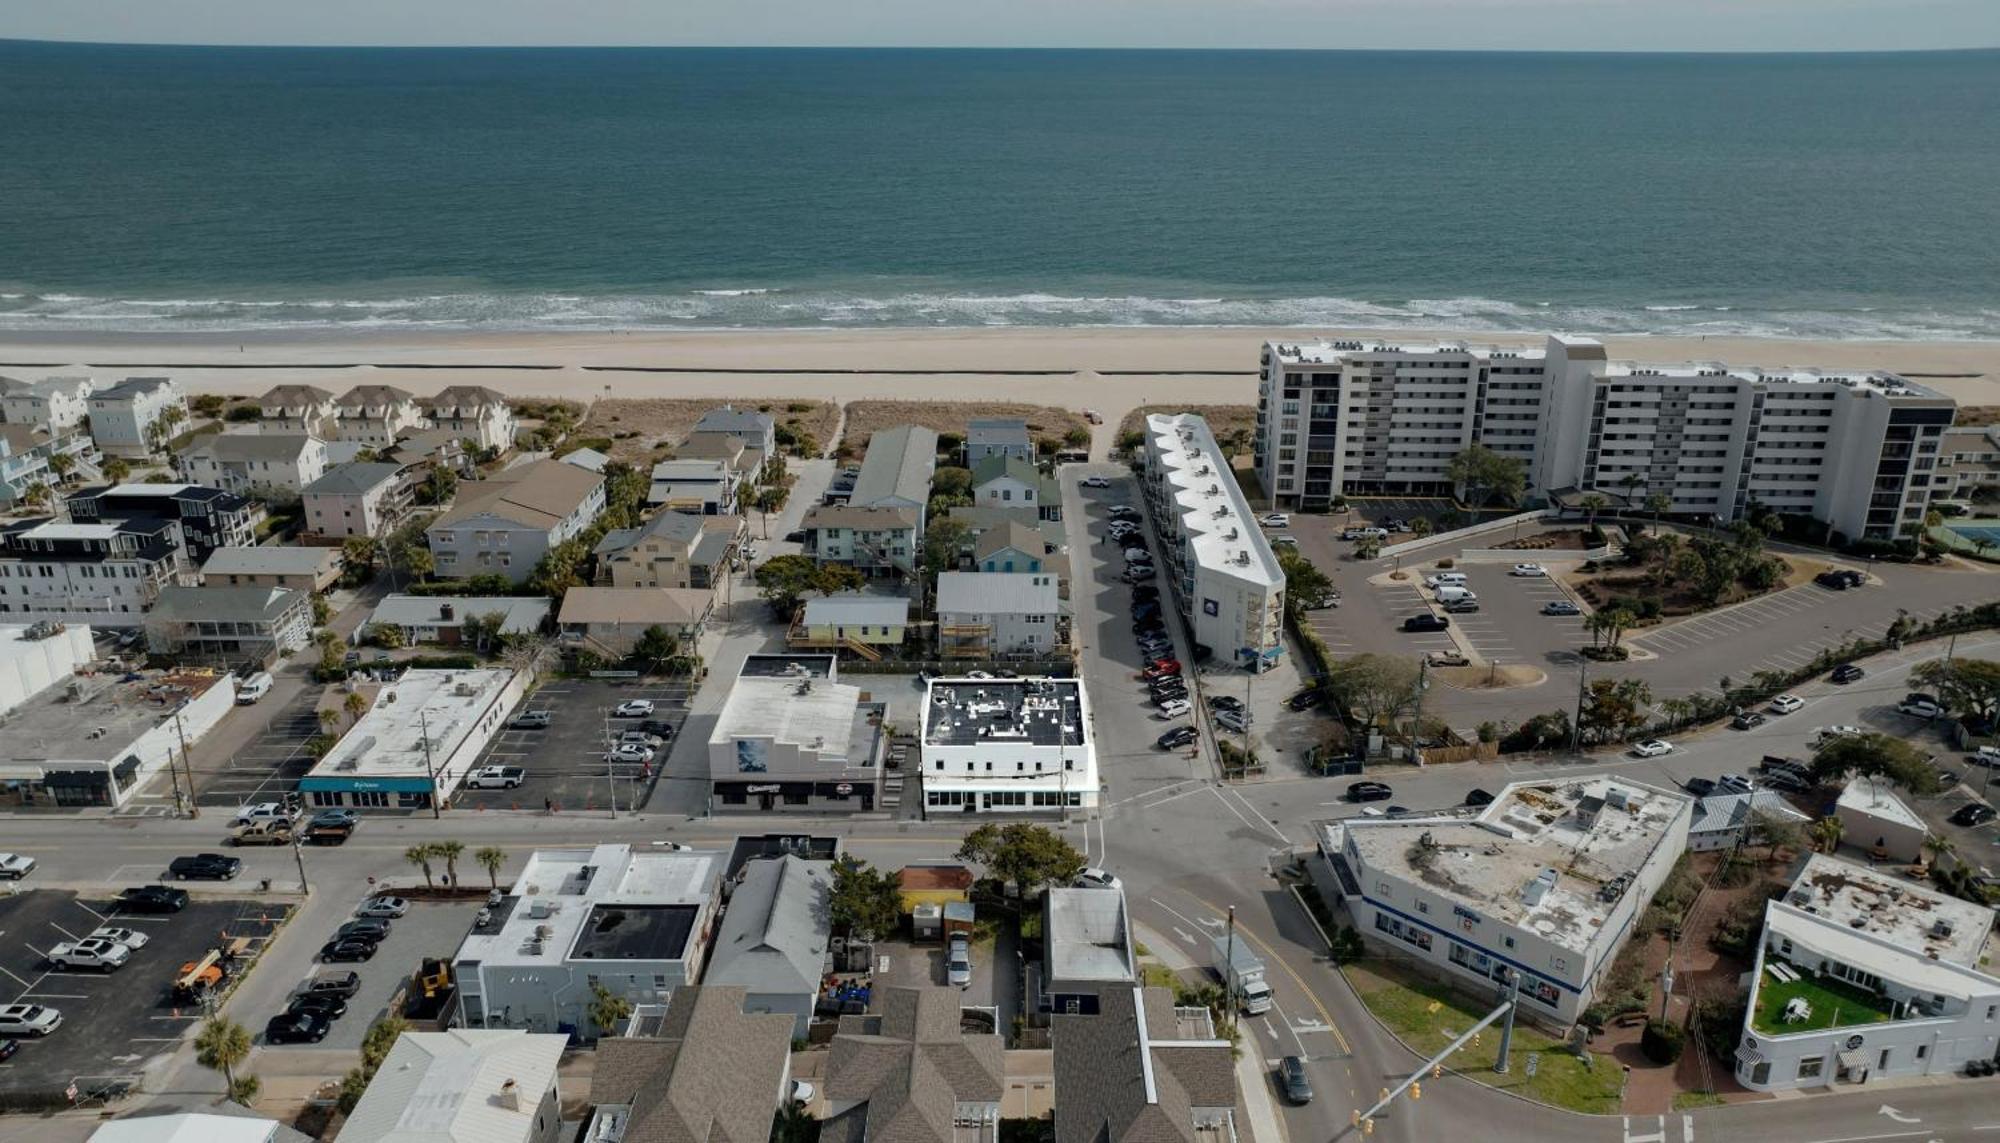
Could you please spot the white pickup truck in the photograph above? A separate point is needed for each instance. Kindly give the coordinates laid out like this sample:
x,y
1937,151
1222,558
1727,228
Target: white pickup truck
x,y
91,952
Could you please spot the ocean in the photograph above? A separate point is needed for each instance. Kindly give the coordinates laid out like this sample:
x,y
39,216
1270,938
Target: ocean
x,y
167,188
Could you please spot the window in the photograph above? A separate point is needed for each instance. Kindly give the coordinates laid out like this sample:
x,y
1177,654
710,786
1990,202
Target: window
x,y
1560,964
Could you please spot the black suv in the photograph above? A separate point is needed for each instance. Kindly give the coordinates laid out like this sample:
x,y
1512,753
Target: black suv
x,y
367,929
297,1028
1369,792
325,1003
1304,700
205,867
1846,673
1178,737
1972,814
153,899
1427,623
341,984
1840,579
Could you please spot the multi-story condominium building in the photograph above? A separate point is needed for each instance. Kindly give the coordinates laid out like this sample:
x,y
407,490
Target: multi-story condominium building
x,y
264,464
1864,976
673,549
985,614
1544,883
877,541
508,522
28,459
57,404
1225,578
365,498
474,412
1968,464
105,575
228,626
997,436
299,410
376,415
1008,746
125,418
209,517
1854,449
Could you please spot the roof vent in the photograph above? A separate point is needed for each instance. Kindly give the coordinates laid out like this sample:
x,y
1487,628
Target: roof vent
x,y
1539,888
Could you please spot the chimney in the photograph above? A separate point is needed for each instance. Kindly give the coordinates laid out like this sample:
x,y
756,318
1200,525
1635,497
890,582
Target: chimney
x,y
510,1096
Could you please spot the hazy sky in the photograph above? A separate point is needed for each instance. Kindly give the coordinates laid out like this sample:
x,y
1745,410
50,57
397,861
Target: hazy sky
x,y
1701,25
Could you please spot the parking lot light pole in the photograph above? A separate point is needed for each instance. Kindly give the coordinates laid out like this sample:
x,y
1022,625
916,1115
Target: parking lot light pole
x,y
299,855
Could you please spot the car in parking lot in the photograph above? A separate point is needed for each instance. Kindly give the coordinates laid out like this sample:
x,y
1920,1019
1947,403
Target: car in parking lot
x,y
14,866
1846,673
262,812
1734,784
1369,792
633,708
91,952
1292,1075
658,727
1178,737
1236,720
1161,668
1561,607
1478,797
1824,734
1840,579
206,867
131,938
1919,708
496,777
1973,814
1988,756
1304,700
532,720
8,1048
1122,512
1788,782
1095,482
1426,623
1284,541
1139,573
347,949
958,961
1224,702
1095,878
29,1020
383,907
297,1028
1746,720
366,928
629,752
1275,520
1364,533
1699,787
1464,606
1447,659
1786,704
153,899
341,984
325,1003
1168,689
1779,764
1653,748
1155,646
1528,570
1174,707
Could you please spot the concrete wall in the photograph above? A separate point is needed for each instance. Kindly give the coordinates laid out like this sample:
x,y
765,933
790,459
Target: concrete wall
x,y
30,666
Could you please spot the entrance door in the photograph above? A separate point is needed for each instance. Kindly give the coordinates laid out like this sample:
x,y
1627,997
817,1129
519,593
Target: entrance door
x,y
765,802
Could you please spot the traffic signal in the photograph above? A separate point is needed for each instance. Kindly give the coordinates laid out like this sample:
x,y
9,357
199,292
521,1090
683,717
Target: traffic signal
x,y
1437,1070
1416,1091
1368,1127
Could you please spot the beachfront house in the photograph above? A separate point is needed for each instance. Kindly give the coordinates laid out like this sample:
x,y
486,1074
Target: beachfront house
x,y
1008,482
58,404
755,429
997,436
125,418
505,524
262,464
475,413
376,415
299,410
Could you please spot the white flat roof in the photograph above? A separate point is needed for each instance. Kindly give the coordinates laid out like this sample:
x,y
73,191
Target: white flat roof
x,y
554,883
1499,864
1867,951
1876,799
1088,936
1220,526
1867,380
1901,912
389,738
1340,350
810,713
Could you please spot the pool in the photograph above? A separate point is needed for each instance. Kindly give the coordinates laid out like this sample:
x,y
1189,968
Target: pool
x,y
1977,530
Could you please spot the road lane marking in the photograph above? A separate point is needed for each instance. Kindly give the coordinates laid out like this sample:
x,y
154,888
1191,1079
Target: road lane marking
x,y
1325,1016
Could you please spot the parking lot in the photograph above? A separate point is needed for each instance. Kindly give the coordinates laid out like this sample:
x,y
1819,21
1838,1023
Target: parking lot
x,y
273,761
429,929
113,1024
995,971
565,764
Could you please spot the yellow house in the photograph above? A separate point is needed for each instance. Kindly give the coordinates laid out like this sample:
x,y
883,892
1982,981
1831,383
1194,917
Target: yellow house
x,y
866,624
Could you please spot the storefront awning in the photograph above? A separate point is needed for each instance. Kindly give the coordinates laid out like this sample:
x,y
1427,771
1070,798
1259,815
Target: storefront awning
x,y
1856,1061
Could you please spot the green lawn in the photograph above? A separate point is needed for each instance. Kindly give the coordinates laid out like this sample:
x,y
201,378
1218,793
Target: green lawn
x,y
1835,1004
1691,1100
1427,1016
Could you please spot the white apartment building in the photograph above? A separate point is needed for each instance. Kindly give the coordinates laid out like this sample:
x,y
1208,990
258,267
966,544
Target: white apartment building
x,y
53,403
636,923
475,413
122,417
106,575
266,463
1545,881
1862,975
1225,578
419,740
1007,746
1854,449
377,415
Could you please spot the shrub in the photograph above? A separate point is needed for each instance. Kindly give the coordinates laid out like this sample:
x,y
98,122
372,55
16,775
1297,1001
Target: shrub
x,y
1662,1042
1446,563
243,413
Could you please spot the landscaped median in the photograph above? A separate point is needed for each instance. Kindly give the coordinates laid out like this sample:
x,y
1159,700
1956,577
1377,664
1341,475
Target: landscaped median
x,y
1426,1016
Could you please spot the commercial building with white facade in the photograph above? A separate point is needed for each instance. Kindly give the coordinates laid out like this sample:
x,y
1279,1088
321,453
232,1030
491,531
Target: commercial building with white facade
x,y
637,923
417,742
1225,578
1007,746
1855,449
94,740
1863,976
1545,881
792,738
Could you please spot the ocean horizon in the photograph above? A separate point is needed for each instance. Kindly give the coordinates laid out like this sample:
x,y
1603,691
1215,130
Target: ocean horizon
x,y
159,188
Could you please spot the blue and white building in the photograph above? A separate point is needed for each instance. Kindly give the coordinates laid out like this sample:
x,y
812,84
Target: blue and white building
x,y
1546,881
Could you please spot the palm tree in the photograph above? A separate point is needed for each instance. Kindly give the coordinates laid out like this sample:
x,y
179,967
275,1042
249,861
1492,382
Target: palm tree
x,y
420,856
1939,847
1827,832
451,851
355,705
1657,504
1421,527
220,1046
62,464
1631,480
491,858
1592,504
1676,710
116,469
328,717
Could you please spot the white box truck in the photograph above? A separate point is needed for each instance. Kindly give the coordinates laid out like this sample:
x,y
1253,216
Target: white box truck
x,y
1242,972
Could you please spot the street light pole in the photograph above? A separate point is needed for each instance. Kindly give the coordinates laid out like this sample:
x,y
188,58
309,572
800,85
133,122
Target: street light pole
x,y
1510,995
299,855
1229,969
424,723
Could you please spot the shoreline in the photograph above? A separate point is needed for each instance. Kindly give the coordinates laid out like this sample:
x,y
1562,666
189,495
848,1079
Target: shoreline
x,y
1110,370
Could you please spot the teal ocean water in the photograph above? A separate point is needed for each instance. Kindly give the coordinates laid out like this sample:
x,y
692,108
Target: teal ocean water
x,y
207,188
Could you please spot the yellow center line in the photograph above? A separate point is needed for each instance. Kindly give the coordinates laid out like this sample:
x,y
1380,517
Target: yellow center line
x,y
1325,1016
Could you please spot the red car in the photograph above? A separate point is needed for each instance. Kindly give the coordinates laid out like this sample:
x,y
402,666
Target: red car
x,y
1163,668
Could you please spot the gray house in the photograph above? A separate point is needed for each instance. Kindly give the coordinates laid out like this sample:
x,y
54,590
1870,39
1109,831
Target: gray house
x,y
774,936
897,471
997,436
981,614
507,522
755,429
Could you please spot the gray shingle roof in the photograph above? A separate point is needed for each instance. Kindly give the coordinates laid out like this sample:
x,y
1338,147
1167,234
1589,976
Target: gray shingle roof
x,y
268,560
252,446
519,614
999,593
912,1065
774,936
354,478
1019,537
861,519
747,423
131,387
190,604
998,431
1101,1073
899,465
711,1077
994,467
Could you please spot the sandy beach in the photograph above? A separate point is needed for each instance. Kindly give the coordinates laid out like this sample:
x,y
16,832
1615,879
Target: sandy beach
x,y
1107,370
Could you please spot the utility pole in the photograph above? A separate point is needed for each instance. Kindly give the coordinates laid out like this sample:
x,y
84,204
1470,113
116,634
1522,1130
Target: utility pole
x,y
180,730
1576,726
1417,727
1229,969
424,722
299,855
1510,995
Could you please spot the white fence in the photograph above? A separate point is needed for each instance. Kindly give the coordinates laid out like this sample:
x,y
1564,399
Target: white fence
x,y
1530,555
1485,528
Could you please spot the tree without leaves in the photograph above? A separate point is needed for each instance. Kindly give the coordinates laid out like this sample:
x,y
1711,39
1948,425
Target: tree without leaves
x,y
1373,690
1483,476
864,900
1023,855
491,858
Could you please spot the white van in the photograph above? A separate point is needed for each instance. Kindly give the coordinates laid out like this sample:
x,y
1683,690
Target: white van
x,y
1447,579
1449,594
254,688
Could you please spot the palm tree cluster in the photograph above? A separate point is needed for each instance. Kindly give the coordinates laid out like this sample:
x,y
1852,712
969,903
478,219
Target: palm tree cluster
x,y
422,855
